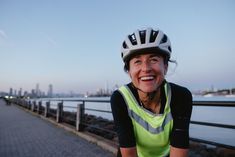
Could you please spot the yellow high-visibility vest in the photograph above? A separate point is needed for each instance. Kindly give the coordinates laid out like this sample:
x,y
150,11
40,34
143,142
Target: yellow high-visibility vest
x,y
152,131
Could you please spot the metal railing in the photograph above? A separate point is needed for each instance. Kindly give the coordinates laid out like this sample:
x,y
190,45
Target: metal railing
x,y
99,129
218,125
94,127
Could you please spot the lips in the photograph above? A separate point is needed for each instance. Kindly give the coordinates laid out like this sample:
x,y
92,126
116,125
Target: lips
x,y
146,78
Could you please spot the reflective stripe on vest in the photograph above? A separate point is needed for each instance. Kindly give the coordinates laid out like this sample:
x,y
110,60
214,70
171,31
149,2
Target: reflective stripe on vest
x,y
151,130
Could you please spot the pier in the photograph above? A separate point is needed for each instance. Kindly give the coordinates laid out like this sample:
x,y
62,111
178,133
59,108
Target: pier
x,y
26,135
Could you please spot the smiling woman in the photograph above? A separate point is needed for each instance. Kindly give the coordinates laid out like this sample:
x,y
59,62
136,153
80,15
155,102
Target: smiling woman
x,y
151,115
147,72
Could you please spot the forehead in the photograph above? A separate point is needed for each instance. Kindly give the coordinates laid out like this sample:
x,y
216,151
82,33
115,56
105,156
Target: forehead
x,y
146,55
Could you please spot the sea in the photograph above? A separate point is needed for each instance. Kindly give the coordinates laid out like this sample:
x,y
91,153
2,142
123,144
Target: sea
x,y
222,115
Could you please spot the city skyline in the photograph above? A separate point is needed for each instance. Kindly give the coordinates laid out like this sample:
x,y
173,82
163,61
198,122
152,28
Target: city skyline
x,y
106,91
38,92
33,92
75,45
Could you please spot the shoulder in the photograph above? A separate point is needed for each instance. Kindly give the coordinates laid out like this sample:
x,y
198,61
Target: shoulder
x,y
117,101
180,90
181,100
117,96
180,93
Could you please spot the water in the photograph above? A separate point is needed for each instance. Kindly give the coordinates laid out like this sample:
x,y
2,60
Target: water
x,y
223,115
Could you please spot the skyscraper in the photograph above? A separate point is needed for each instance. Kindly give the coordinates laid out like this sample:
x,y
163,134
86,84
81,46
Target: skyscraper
x,y
50,91
37,90
11,92
20,92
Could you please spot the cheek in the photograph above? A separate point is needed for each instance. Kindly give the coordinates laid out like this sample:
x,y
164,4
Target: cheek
x,y
132,71
132,74
160,70
163,69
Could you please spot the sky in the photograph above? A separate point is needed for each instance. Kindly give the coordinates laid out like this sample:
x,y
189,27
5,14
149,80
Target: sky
x,y
75,44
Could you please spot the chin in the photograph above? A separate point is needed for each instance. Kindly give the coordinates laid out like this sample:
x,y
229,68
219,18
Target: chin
x,y
148,90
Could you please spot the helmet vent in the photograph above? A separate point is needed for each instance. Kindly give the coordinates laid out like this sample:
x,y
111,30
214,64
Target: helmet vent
x,y
153,36
133,39
142,36
169,48
124,45
164,39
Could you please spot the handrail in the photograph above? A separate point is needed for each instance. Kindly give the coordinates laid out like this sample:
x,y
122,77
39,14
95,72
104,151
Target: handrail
x,y
214,124
214,103
76,100
195,103
90,109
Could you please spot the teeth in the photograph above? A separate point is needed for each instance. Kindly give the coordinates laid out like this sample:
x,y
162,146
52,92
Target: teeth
x,y
147,78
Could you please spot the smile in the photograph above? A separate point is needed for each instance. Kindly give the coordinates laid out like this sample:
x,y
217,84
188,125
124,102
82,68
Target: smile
x,y
146,78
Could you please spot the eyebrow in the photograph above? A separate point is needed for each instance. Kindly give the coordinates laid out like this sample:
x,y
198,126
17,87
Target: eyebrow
x,y
151,55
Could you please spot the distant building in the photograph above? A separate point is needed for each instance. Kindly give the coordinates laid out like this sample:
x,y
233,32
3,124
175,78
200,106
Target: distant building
x,y
11,92
33,93
37,90
20,92
25,93
50,91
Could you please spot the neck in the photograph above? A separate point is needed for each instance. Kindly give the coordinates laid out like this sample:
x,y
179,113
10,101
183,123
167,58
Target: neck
x,y
151,102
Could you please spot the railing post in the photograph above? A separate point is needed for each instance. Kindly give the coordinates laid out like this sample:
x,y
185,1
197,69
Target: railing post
x,y
39,106
33,106
25,104
47,109
29,104
22,102
59,112
80,115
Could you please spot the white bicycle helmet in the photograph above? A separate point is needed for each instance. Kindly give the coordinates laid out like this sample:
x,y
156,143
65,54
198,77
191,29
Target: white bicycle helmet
x,y
145,41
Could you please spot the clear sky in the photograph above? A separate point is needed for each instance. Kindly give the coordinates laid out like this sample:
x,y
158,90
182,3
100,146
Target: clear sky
x,y
75,44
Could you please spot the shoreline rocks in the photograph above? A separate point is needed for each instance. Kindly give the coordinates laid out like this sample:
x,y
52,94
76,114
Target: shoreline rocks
x,y
202,150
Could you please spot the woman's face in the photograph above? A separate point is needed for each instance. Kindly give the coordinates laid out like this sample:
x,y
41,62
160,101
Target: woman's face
x,y
147,71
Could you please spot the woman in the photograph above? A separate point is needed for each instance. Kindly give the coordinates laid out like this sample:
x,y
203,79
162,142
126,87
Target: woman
x,y
151,115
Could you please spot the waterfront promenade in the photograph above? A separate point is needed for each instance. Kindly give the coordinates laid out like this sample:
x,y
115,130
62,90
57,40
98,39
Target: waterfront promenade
x,y
25,135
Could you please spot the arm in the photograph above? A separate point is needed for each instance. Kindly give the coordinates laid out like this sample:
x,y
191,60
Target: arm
x,y
181,112
178,152
129,152
123,126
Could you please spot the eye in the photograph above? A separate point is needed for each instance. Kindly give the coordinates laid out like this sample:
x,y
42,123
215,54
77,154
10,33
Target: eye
x,y
154,59
137,62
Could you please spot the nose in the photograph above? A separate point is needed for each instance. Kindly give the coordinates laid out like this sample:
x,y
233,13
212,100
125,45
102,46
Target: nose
x,y
146,67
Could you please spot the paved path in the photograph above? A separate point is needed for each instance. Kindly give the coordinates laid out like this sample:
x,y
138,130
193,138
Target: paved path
x,y
24,135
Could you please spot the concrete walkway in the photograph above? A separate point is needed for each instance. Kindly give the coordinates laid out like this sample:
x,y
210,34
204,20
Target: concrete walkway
x,y
24,135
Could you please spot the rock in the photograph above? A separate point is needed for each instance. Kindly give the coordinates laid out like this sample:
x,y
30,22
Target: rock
x,y
223,152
